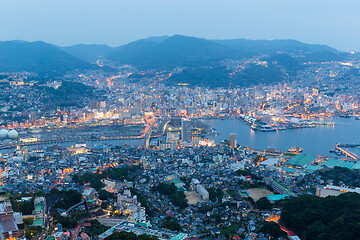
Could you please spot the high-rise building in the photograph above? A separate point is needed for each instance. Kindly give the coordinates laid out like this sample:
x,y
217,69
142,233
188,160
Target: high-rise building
x,y
186,130
9,226
232,140
33,116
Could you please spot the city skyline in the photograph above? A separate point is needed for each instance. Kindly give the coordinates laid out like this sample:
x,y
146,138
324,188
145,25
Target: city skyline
x,y
194,130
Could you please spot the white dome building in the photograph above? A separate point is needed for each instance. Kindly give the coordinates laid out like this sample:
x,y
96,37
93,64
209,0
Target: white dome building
x,y
13,134
3,133
294,120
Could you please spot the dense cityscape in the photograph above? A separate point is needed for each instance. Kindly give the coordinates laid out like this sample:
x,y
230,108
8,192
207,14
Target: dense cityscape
x,y
175,120
138,158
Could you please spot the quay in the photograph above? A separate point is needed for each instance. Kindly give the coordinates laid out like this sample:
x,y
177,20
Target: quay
x,y
14,145
346,152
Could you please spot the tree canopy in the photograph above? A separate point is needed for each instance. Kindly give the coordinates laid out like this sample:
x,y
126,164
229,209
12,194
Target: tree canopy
x,y
315,218
263,204
349,177
177,197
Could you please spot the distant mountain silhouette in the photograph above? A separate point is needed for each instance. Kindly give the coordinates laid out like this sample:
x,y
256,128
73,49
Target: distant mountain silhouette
x,y
273,46
190,51
39,57
174,51
90,52
158,52
93,52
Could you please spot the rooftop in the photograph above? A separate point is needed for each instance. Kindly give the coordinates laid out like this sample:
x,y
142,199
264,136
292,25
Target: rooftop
x,y
301,159
140,229
277,197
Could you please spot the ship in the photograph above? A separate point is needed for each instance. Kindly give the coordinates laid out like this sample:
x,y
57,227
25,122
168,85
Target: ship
x,y
295,149
266,128
214,131
345,115
263,128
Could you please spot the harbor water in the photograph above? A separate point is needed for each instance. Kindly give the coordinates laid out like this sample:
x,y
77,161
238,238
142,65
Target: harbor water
x,y
318,140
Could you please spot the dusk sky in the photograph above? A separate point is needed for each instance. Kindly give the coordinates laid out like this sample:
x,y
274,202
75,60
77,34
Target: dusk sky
x,y
116,22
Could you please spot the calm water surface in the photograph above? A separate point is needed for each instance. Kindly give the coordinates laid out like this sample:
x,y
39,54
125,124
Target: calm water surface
x,y
318,140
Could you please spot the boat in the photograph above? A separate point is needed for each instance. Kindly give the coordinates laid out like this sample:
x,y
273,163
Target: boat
x,y
345,115
295,149
214,131
357,117
266,128
281,128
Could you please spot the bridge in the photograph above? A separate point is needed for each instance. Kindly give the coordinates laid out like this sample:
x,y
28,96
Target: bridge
x,y
147,138
150,130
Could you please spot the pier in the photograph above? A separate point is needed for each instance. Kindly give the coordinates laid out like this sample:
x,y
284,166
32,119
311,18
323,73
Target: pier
x,y
346,152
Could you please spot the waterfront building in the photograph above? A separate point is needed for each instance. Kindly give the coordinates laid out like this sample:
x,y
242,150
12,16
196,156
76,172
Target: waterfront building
x,y
301,160
232,140
186,130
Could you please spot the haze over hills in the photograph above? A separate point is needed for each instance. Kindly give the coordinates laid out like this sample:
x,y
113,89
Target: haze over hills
x,y
273,46
173,51
153,52
191,51
89,52
39,57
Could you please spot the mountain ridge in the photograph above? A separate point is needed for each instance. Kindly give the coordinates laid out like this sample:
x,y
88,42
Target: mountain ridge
x,y
153,52
39,57
190,51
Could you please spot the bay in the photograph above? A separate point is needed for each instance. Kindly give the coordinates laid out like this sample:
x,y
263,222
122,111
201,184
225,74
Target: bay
x,y
319,140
